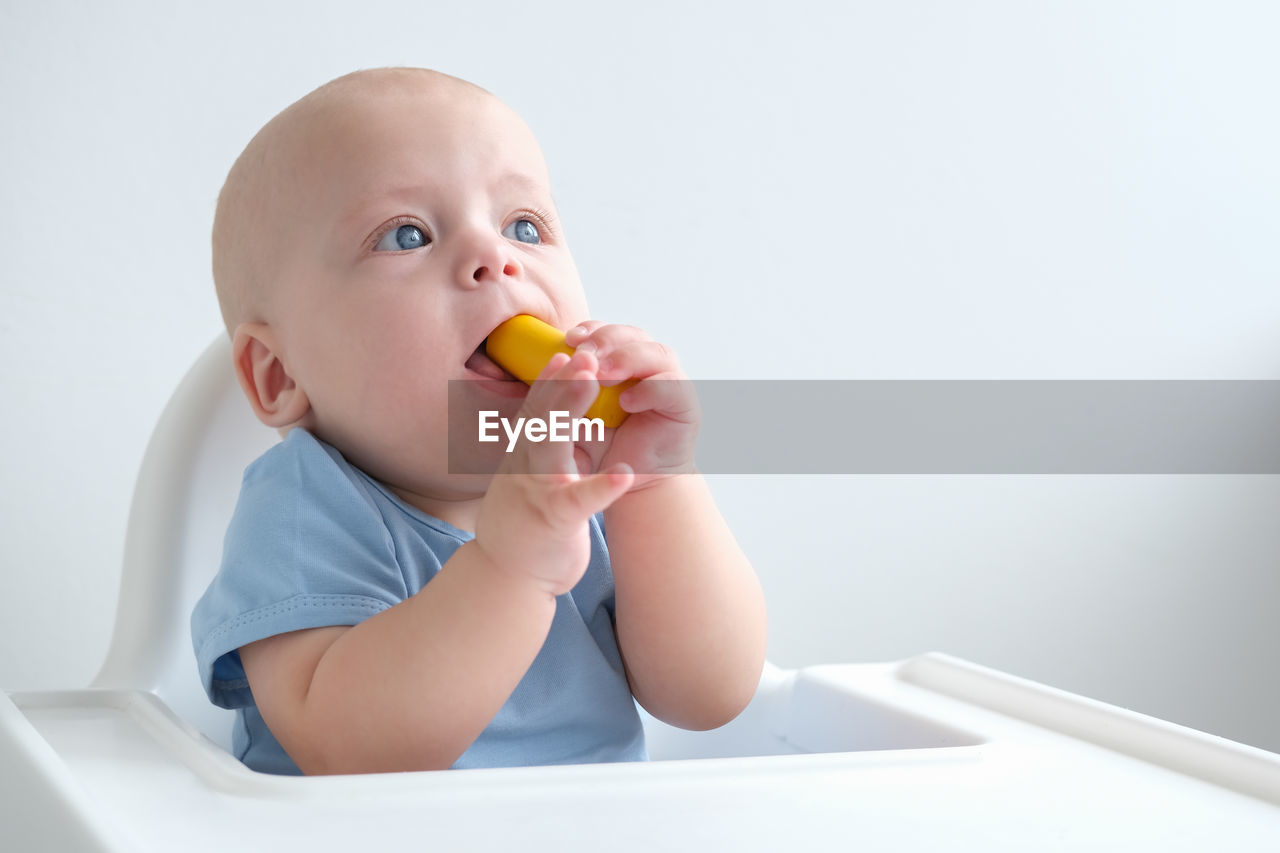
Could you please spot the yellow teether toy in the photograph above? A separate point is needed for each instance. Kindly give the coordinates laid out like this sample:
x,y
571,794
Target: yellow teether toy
x,y
524,344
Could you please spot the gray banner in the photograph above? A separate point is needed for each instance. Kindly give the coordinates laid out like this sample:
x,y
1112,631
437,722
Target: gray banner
x,y
981,427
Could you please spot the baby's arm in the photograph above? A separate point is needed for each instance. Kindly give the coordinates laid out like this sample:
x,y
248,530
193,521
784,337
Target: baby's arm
x,y
412,687
690,613
409,688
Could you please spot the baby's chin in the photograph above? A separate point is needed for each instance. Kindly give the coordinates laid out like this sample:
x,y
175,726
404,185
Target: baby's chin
x,y
453,497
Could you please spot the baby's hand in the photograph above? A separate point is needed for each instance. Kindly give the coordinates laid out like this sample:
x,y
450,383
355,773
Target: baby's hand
x,y
658,438
533,520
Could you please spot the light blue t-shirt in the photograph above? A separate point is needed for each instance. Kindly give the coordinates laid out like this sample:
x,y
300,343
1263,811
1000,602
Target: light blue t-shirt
x,y
315,542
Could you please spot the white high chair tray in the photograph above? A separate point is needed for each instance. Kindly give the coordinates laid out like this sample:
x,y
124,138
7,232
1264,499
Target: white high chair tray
x,y
932,751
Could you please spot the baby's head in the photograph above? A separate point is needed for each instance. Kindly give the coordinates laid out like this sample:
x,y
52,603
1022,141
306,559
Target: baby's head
x,y
365,244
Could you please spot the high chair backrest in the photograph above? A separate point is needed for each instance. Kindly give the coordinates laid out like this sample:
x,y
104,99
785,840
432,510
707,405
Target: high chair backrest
x,y
184,497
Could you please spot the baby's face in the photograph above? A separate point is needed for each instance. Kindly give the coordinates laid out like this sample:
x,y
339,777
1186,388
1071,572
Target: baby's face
x,y
423,220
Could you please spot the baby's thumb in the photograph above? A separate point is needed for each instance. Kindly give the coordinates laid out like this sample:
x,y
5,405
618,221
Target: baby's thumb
x,y
586,496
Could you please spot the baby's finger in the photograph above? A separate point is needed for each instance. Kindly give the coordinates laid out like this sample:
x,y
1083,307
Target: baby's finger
x,y
533,454
549,390
578,333
669,394
553,402
609,336
582,499
637,359
570,388
523,459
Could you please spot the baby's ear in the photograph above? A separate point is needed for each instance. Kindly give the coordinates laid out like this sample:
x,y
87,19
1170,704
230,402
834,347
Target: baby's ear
x,y
276,399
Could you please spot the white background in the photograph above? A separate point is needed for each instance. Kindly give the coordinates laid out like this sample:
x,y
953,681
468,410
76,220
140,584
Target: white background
x,y
980,190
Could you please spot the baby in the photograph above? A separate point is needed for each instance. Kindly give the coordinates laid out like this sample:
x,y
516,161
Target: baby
x,y
374,611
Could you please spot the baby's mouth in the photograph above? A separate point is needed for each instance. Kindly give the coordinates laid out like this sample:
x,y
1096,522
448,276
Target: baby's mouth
x,y
480,362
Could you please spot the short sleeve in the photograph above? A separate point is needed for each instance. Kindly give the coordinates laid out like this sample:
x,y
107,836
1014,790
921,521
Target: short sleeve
x,y
306,548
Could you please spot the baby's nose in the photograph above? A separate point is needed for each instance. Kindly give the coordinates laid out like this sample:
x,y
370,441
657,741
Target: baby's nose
x,y
488,259
505,267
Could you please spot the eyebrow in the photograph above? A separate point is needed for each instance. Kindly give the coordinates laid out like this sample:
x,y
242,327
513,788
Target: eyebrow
x,y
520,181
506,182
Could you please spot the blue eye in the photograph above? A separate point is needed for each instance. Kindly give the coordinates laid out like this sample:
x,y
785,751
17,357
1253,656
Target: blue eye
x,y
402,238
522,230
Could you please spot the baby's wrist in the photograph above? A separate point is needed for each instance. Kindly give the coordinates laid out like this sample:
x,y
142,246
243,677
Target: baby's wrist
x,y
652,485
502,569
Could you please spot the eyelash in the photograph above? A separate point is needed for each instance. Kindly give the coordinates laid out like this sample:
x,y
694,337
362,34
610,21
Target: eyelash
x,y
542,217
376,237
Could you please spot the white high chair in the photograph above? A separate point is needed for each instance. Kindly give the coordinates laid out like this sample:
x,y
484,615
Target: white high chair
x,y
897,756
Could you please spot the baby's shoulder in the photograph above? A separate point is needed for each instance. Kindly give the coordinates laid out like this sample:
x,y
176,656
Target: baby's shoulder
x,y
302,470
298,449
300,460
